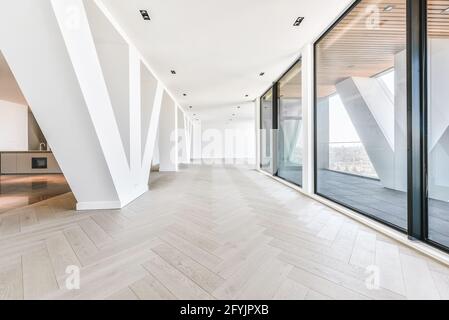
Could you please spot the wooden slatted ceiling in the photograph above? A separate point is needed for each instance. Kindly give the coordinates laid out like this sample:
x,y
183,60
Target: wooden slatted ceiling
x,y
290,85
365,42
438,23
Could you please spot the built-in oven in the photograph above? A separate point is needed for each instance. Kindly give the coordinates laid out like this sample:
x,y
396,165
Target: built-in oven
x,y
39,163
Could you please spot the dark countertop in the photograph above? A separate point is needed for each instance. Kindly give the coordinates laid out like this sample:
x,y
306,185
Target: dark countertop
x,y
36,151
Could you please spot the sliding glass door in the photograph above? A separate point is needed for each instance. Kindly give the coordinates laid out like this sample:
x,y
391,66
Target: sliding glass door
x,y
381,127
290,145
361,111
266,132
438,120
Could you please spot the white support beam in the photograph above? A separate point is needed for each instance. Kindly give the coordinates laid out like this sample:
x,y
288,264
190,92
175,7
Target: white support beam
x,y
364,99
103,133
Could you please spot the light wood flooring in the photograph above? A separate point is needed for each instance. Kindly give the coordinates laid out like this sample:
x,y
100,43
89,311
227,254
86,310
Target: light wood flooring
x,y
207,232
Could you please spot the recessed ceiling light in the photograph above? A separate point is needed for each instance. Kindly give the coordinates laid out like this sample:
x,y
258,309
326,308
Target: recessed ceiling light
x,y
388,8
246,95
190,107
262,74
445,11
145,15
298,21
173,72
184,94
238,107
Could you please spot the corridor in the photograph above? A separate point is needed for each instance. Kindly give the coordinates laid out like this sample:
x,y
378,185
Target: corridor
x,y
208,232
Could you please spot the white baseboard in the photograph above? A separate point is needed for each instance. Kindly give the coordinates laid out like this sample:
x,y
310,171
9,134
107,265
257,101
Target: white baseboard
x,y
112,205
98,205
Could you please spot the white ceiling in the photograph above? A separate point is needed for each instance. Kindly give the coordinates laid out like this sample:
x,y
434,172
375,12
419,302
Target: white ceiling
x,y
219,47
9,90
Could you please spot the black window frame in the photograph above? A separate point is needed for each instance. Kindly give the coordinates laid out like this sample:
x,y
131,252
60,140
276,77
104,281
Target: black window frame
x,y
417,126
315,131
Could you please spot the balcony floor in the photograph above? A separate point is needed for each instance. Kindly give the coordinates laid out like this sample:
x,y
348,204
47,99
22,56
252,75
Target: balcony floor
x,y
369,196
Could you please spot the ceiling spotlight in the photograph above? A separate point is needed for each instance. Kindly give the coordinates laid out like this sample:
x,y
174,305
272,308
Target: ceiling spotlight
x,y
145,15
238,107
246,96
184,94
445,11
262,74
173,72
298,22
388,8
190,107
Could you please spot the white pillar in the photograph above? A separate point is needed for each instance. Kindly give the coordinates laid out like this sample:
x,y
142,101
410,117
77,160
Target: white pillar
x,y
168,135
307,118
183,153
197,140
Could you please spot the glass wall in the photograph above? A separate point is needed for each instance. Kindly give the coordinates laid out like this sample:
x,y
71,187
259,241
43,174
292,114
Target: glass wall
x,y
290,144
438,120
361,119
266,134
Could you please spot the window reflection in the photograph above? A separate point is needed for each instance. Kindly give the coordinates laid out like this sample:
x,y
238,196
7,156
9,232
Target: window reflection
x,y
438,120
266,135
361,119
290,148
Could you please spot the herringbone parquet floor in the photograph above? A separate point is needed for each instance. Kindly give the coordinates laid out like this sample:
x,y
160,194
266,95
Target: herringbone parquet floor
x,y
208,232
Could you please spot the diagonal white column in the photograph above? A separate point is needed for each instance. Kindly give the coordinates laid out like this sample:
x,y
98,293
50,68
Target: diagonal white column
x,y
102,131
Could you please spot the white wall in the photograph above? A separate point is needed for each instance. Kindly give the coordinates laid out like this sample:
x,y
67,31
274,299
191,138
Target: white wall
x,y
13,126
168,133
234,140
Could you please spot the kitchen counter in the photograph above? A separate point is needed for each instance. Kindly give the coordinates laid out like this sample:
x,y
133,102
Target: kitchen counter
x,y
28,162
31,151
